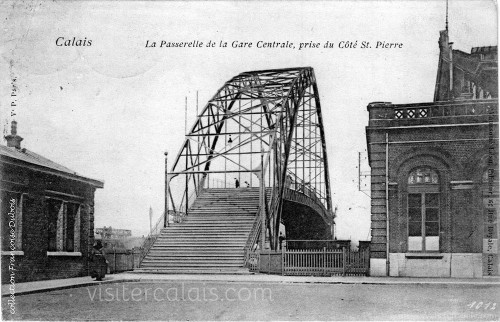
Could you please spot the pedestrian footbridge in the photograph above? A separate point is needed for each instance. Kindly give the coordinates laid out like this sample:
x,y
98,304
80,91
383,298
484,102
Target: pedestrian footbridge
x,y
254,160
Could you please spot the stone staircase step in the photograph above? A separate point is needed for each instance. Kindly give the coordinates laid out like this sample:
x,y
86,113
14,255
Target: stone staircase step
x,y
169,264
187,255
221,248
194,251
198,243
204,227
195,261
211,239
201,270
197,240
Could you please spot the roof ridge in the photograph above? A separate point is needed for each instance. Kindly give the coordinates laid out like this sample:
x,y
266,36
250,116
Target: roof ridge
x,y
34,158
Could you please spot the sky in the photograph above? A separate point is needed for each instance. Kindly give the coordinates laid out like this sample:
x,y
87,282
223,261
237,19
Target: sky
x,y
109,111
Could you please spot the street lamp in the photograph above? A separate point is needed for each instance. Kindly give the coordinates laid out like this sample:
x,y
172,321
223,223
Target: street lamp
x,y
262,200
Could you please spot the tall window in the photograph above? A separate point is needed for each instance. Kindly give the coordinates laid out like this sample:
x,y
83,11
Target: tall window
x,y
63,226
72,216
53,208
423,210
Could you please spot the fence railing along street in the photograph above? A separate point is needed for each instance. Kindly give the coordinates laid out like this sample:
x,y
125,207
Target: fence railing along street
x,y
311,262
121,260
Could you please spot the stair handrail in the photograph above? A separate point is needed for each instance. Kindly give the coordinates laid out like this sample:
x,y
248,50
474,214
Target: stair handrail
x,y
152,236
272,206
253,236
201,185
181,214
218,183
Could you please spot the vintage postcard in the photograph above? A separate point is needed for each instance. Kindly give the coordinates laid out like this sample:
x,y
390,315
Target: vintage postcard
x,y
249,160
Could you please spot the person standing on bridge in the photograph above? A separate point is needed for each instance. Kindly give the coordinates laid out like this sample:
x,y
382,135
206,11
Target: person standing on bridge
x,y
236,183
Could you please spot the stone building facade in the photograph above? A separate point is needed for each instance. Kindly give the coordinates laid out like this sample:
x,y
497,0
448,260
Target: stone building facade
x,y
47,216
434,174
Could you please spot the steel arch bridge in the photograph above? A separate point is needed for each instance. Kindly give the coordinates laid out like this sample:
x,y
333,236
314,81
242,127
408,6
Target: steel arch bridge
x,y
265,129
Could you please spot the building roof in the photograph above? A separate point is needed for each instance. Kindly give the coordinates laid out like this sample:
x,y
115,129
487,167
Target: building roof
x,y
40,163
484,50
462,75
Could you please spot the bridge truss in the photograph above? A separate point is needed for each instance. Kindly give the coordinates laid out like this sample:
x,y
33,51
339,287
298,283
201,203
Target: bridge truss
x,y
265,129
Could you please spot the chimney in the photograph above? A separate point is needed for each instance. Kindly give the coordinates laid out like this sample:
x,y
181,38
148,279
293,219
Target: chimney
x,y
13,140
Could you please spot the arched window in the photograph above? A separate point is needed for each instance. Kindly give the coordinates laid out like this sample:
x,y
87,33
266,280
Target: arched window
x,y
423,176
423,210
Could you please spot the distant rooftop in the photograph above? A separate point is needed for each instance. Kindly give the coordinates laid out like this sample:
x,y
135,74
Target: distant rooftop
x,y
484,50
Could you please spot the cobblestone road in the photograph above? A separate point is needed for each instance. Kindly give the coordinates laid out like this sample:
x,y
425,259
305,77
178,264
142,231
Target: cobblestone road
x,y
167,300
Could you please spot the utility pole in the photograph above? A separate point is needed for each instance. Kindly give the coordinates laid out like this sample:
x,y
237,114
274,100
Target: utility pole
x,y
150,220
165,216
185,115
197,104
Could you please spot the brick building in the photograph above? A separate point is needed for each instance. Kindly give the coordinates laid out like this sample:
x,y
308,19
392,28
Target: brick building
x,y
47,216
434,173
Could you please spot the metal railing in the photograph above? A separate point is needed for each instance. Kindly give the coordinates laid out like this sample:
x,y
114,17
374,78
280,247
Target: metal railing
x,y
317,244
179,216
297,190
253,238
218,183
311,201
151,238
315,262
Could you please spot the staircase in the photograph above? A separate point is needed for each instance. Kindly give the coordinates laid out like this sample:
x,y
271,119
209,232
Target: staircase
x,y
211,239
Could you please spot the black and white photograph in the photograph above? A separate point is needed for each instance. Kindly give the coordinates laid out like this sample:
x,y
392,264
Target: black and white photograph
x,y
249,160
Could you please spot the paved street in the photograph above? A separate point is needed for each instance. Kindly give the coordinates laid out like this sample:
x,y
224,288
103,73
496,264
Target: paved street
x,y
219,300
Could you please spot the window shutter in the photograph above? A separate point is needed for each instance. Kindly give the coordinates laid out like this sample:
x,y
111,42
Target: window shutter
x,y
77,230
60,228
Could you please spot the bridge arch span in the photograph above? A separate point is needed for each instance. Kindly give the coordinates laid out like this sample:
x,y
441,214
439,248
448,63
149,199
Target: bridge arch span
x,y
263,129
